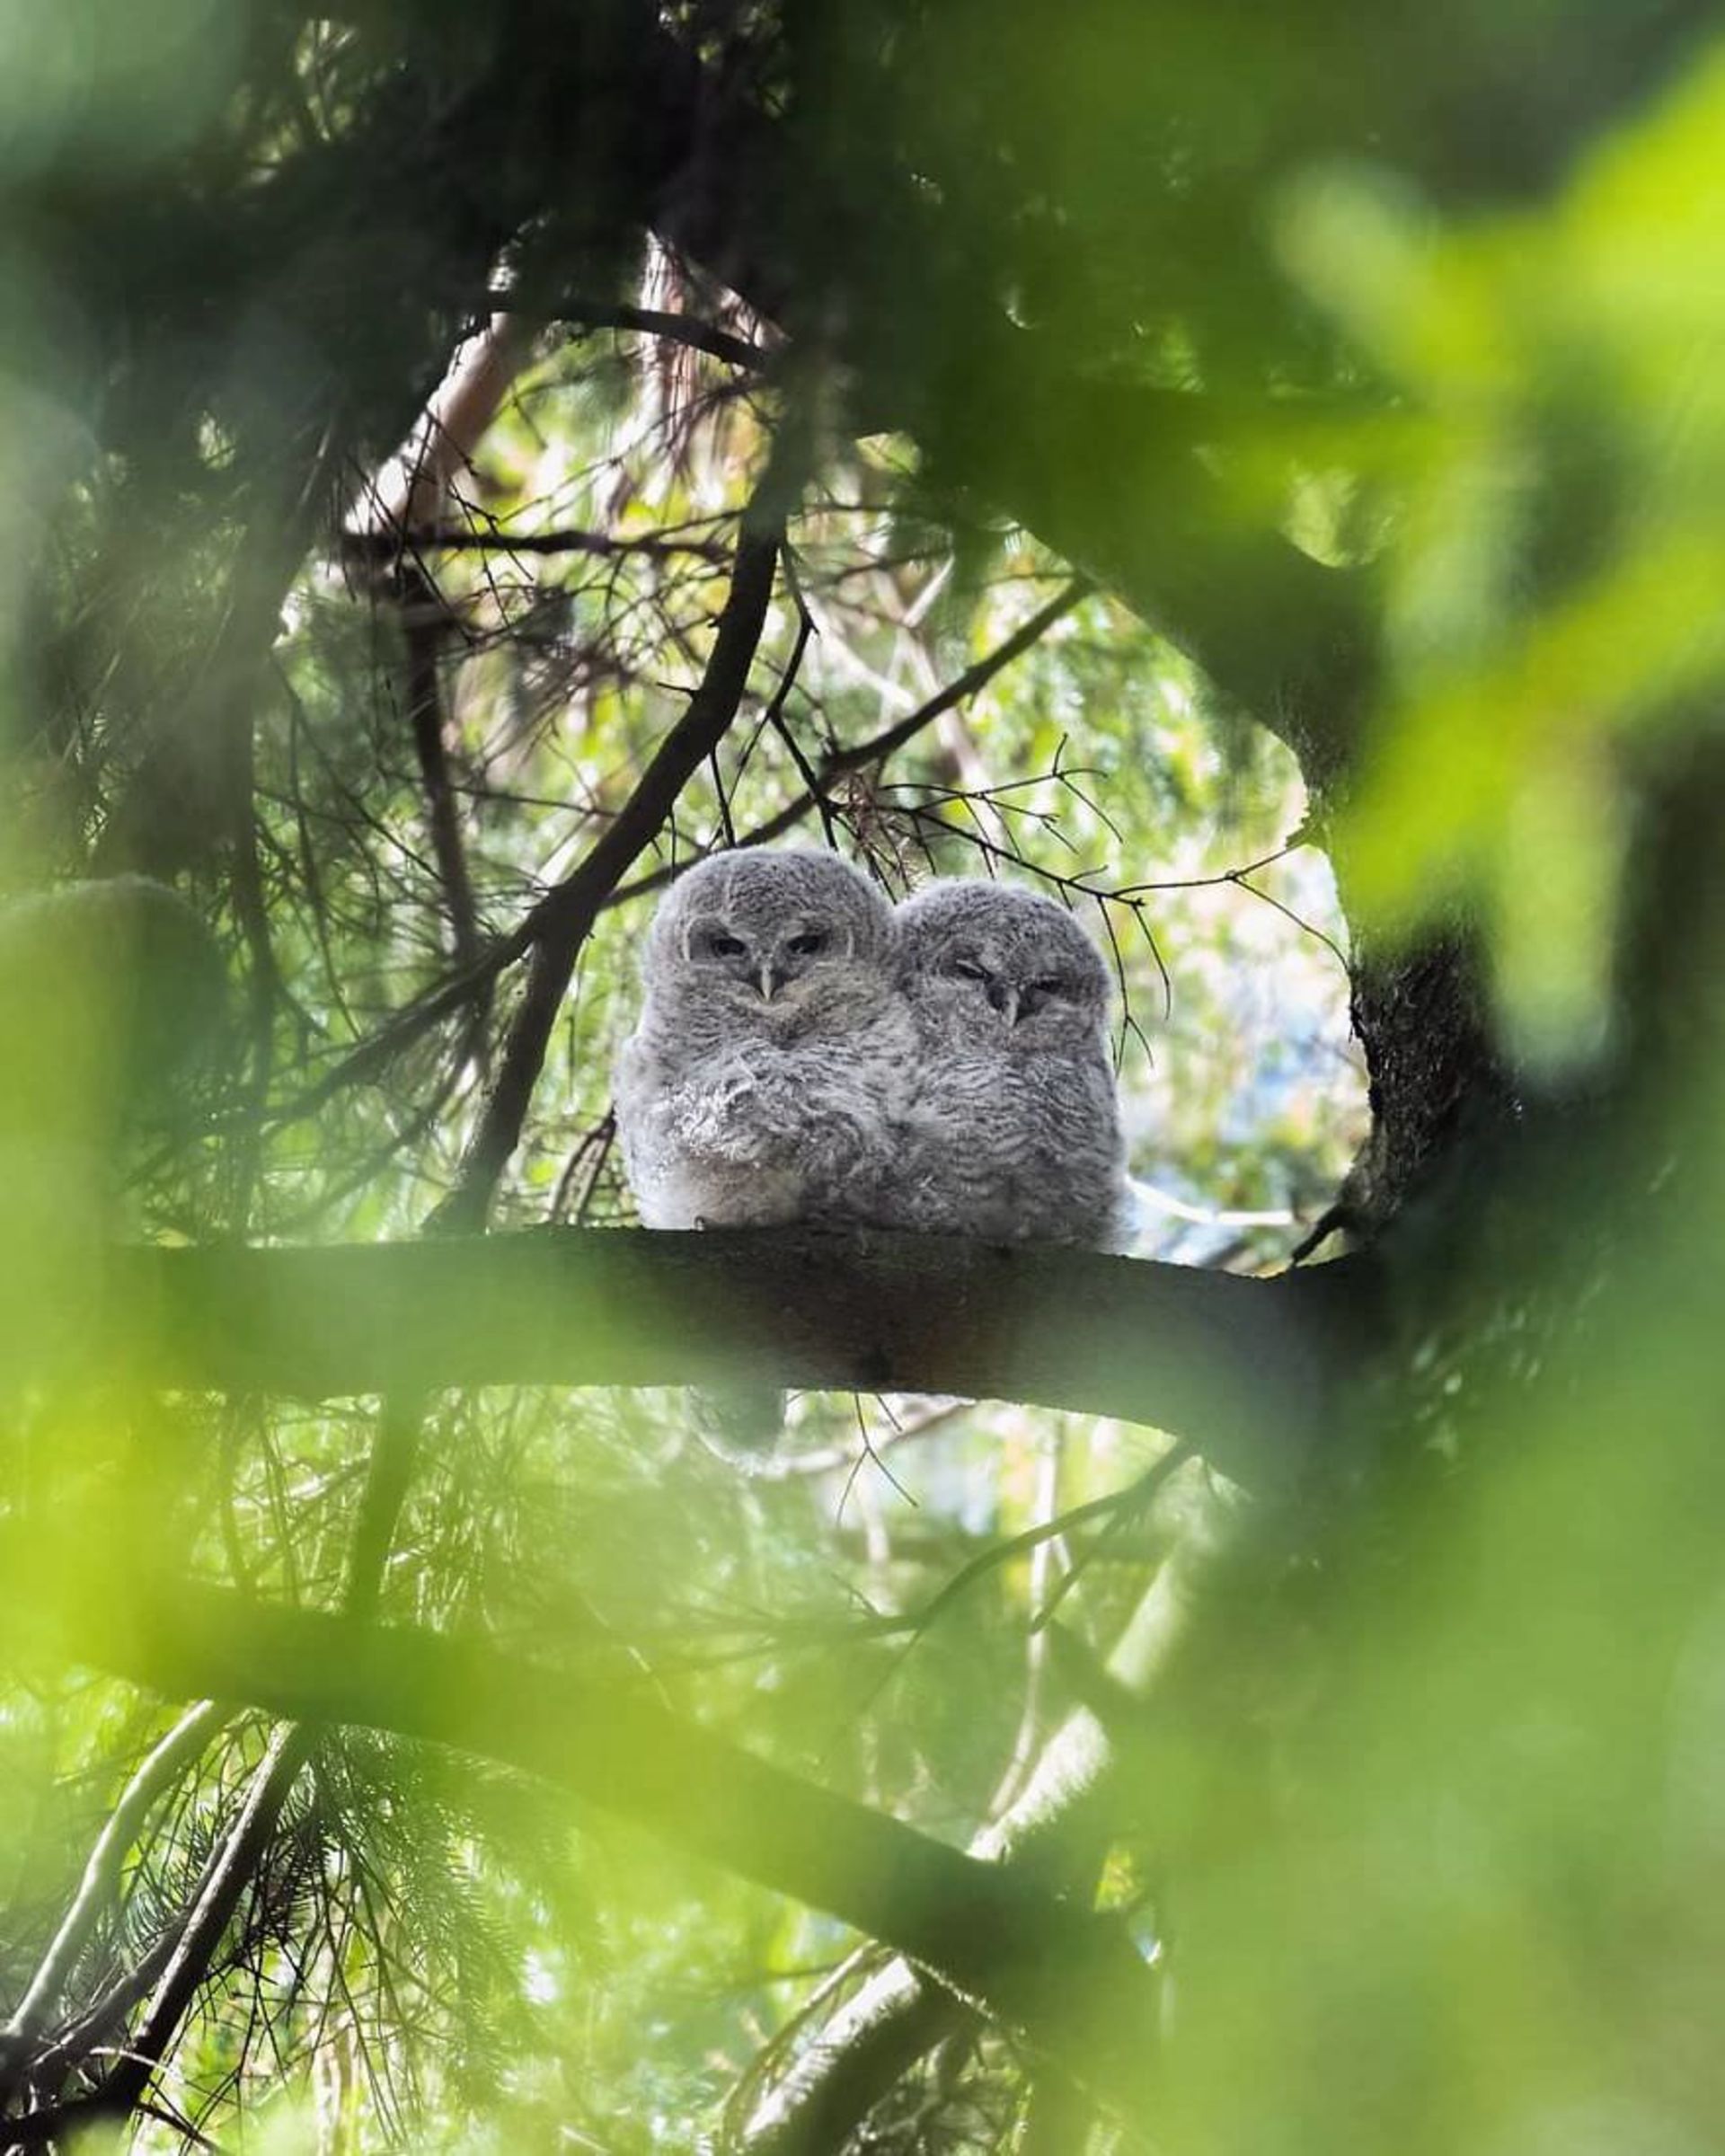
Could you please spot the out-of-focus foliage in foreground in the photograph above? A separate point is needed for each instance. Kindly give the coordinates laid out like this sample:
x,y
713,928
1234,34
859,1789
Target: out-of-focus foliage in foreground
x,y
1550,579
1210,449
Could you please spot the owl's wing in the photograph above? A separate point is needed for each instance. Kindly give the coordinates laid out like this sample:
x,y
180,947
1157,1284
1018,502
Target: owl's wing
x,y
652,1096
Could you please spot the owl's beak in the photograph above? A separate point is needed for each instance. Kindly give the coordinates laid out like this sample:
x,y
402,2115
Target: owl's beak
x,y
1004,996
769,981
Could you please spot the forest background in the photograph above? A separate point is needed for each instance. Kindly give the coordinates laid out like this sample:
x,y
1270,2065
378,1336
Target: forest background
x,y
1257,477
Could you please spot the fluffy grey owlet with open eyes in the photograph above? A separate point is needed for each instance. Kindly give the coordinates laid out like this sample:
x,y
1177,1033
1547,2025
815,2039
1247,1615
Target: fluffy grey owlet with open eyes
x,y
1014,1128
767,1074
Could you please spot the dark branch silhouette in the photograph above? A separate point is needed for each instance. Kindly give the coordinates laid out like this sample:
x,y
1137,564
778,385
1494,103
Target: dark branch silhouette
x,y
1070,1981
1240,1366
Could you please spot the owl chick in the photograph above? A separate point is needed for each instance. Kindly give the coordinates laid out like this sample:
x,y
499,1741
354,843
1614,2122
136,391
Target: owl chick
x,y
771,1059
1014,1130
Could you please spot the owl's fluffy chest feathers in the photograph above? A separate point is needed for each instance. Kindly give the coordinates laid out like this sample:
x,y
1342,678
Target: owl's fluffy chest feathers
x,y
738,1110
1012,1137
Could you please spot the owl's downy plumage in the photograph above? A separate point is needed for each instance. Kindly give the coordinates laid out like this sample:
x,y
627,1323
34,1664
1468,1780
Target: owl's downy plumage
x,y
762,1081
765,1080
1014,1127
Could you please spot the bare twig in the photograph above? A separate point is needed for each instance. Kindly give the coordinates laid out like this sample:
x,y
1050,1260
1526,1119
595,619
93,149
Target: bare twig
x,y
492,539
656,321
1116,1507
423,616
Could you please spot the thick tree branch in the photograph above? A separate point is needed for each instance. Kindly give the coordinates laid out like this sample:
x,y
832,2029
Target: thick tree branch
x,y
412,491
1071,1981
1239,1366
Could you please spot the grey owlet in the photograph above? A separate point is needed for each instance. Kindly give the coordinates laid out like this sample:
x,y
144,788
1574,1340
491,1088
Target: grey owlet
x,y
1014,1126
766,1077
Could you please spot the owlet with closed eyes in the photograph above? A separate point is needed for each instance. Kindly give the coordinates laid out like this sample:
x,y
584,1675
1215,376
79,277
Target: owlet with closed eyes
x,y
764,1081
1014,1130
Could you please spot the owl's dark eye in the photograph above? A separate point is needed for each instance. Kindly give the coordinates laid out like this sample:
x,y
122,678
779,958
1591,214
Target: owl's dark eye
x,y
968,969
808,946
726,947
1051,984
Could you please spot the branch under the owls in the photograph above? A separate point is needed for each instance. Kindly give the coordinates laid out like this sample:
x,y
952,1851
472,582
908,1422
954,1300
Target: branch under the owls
x,y
1239,1367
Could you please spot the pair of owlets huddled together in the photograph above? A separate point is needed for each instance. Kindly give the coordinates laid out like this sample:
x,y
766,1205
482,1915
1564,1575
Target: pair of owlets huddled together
x,y
806,1051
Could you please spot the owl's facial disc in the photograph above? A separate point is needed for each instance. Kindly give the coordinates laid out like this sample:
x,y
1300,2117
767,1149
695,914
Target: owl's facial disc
x,y
1002,964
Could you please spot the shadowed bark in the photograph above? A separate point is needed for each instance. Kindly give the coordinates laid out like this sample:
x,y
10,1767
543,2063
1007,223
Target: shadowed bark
x,y
1242,1367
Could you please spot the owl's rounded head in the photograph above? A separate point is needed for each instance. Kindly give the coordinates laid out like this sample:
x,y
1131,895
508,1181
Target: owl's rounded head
x,y
770,923
994,959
